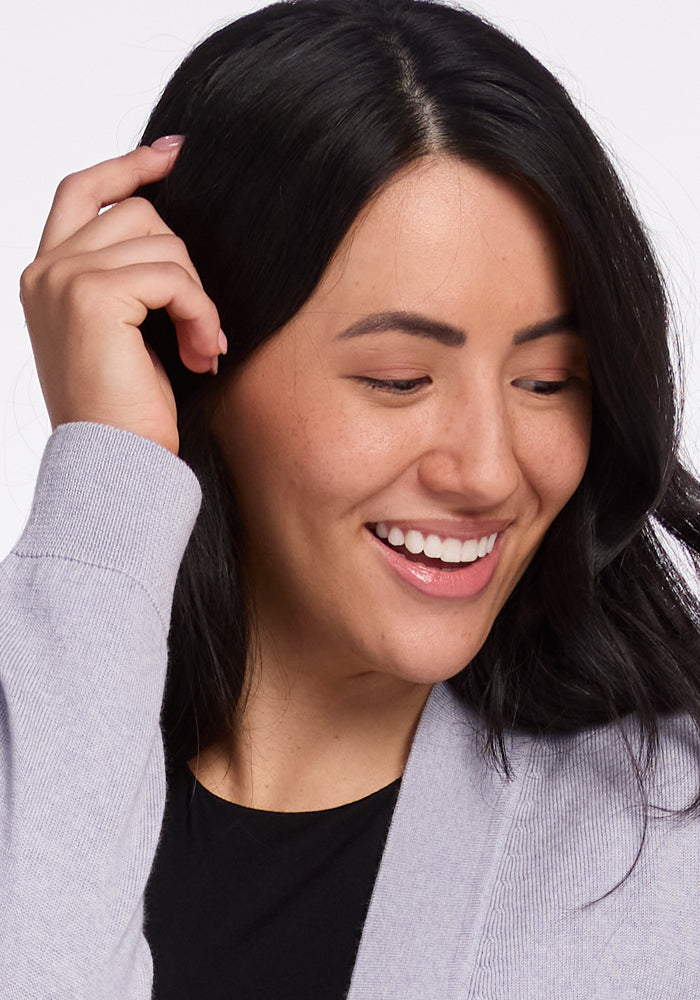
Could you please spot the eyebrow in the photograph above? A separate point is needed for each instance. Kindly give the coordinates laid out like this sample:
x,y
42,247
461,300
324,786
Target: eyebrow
x,y
450,336
566,323
406,322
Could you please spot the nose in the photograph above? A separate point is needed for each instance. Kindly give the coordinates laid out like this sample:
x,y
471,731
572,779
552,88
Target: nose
x,y
470,458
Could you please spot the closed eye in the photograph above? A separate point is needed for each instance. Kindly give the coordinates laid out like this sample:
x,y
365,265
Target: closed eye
x,y
399,386
544,387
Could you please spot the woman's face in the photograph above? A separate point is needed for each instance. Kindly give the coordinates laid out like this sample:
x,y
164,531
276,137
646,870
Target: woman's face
x,y
401,446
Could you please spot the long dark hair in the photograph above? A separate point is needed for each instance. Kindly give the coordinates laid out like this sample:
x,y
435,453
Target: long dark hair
x,y
295,116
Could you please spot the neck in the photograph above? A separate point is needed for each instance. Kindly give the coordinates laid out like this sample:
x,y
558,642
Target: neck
x,y
308,739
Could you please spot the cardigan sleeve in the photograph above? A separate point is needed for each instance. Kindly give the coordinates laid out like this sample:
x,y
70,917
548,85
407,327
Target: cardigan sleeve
x,y
85,601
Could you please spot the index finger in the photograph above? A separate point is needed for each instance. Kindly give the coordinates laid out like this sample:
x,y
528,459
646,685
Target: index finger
x,y
80,196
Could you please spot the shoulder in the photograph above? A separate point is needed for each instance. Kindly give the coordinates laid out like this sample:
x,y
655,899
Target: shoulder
x,y
610,761
618,763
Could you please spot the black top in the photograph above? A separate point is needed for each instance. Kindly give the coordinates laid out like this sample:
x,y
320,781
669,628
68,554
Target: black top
x,y
244,904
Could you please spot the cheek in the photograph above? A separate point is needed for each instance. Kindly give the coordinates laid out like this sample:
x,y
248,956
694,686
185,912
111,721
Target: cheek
x,y
343,455
553,454
303,446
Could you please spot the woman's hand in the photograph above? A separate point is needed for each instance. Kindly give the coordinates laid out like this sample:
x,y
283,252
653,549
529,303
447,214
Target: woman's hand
x,y
94,278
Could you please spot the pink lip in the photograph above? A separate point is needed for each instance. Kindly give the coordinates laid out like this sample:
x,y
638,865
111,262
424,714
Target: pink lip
x,y
468,581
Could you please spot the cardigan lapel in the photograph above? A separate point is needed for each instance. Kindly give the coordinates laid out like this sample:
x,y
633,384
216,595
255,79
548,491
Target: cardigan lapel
x,y
442,854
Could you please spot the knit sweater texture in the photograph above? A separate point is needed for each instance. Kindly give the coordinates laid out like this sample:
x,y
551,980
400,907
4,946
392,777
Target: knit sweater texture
x,y
490,888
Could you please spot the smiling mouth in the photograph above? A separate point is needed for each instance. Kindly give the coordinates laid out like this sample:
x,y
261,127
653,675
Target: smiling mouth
x,y
447,554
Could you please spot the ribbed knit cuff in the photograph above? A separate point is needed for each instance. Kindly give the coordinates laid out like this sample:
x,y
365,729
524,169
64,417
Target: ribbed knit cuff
x,y
110,498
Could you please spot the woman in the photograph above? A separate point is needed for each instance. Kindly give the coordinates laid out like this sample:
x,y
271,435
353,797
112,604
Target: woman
x,y
436,449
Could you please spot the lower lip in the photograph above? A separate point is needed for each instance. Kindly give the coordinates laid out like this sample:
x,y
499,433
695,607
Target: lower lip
x,y
468,581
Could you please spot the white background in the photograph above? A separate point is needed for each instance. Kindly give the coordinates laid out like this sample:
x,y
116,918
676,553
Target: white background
x,y
78,80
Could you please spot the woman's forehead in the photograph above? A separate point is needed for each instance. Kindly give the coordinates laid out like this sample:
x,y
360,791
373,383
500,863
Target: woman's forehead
x,y
437,229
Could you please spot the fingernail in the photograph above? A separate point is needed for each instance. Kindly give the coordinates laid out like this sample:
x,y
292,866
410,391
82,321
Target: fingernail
x,y
168,142
223,342
214,366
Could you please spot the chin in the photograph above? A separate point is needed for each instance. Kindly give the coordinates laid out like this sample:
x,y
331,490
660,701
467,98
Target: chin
x,y
426,662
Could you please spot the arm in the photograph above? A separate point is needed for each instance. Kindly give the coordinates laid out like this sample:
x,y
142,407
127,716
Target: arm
x,y
85,606
85,596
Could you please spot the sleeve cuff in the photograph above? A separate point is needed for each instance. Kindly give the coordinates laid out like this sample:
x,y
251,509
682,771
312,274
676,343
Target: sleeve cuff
x,y
110,498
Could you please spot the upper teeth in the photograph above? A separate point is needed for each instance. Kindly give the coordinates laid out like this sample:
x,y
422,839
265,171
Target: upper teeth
x,y
452,550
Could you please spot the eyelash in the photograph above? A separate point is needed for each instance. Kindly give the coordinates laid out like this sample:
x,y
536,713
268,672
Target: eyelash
x,y
407,386
399,386
543,387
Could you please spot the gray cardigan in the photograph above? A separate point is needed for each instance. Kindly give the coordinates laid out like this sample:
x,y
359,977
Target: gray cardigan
x,y
487,886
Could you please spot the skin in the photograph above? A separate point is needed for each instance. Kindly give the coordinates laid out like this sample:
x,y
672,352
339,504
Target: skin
x,y
341,432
